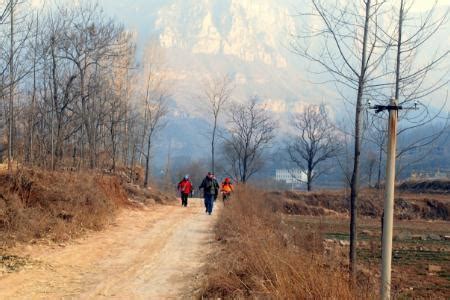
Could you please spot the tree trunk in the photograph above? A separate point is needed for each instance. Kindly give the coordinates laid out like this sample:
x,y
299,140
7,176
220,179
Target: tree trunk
x,y
399,48
11,92
380,158
309,178
114,146
33,97
354,185
147,161
54,99
213,145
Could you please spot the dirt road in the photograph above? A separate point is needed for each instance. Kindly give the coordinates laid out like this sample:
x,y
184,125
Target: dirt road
x,y
158,253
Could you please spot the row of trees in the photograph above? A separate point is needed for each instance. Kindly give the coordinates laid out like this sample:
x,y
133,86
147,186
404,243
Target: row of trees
x,y
249,129
72,94
247,133
74,97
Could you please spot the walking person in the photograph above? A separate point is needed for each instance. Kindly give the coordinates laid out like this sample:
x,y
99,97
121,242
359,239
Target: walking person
x,y
185,189
227,188
209,192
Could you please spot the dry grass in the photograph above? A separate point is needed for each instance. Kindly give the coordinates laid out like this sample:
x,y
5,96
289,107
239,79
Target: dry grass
x,y
263,257
55,205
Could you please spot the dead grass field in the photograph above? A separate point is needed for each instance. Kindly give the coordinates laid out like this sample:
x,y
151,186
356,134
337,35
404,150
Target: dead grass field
x,y
421,259
55,205
41,205
288,245
263,256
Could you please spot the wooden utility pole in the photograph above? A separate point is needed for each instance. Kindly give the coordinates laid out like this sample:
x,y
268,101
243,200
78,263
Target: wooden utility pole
x,y
388,220
386,256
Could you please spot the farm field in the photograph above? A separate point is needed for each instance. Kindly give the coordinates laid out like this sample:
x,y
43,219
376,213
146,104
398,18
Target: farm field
x,y
421,258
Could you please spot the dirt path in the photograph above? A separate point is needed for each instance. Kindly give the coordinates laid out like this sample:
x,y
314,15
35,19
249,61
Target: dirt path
x,y
152,254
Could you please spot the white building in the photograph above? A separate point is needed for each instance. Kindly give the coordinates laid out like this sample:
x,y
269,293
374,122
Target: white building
x,y
290,176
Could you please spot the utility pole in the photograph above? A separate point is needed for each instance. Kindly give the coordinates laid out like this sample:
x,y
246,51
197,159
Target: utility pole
x,y
11,90
386,252
388,214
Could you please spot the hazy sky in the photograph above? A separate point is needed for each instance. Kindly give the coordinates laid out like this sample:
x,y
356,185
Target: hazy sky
x,y
427,4
418,5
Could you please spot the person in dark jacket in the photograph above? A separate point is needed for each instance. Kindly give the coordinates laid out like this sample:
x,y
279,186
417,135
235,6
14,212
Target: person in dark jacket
x,y
209,186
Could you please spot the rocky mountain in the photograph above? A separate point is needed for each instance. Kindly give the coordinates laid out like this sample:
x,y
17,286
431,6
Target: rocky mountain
x,y
247,39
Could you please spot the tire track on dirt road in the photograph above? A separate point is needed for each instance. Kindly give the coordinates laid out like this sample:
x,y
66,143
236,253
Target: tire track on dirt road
x,y
146,254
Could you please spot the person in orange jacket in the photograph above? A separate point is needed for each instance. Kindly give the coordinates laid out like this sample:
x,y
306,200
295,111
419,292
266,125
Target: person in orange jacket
x,y
227,188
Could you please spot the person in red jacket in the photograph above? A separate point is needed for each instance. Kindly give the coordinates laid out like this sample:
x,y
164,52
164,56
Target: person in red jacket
x,y
185,189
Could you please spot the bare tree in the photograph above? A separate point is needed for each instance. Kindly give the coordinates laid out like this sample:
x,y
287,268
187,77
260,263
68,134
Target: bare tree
x,y
156,109
12,67
217,92
415,79
155,101
70,46
314,142
12,6
251,131
88,43
348,50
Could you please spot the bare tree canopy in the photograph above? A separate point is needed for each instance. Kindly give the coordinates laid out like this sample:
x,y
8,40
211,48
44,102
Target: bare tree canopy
x,y
217,93
155,96
251,131
416,79
314,142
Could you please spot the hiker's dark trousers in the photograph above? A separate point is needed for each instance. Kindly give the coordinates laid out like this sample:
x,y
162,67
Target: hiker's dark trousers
x,y
184,199
209,202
